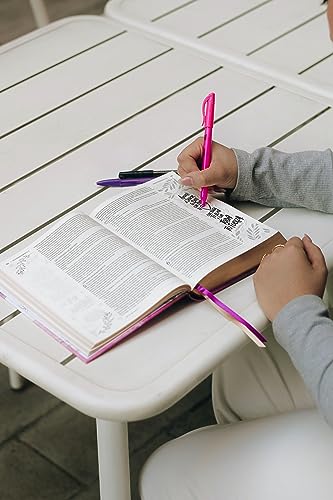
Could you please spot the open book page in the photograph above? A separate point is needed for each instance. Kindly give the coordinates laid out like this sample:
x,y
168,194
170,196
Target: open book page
x,y
85,279
167,222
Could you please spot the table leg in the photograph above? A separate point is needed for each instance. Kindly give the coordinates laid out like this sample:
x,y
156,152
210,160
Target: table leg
x,y
16,382
113,460
40,13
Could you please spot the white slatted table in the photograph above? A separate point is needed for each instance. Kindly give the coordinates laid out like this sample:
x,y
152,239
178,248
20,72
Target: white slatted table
x,y
78,99
277,41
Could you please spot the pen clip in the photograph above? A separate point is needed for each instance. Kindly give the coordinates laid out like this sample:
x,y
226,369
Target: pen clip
x,y
208,110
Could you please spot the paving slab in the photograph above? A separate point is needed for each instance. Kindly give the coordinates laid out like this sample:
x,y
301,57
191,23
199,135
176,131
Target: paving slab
x,y
91,493
25,475
20,409
68,439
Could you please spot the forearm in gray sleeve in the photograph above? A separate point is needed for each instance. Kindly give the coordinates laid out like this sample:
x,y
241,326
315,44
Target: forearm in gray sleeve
x,y
273,178
305,331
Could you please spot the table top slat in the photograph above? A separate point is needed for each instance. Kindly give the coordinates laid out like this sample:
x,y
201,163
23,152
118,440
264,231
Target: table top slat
x,y
79,75
150,10
261,26
318,133
322,72
299,49
5,309
41,51
29,334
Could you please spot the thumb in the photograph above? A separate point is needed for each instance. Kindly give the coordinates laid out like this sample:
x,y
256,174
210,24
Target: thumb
x,y
198,179
314,253
204,178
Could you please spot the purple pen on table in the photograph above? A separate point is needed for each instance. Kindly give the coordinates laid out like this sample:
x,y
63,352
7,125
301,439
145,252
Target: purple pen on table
x,y
123,182
208,107
133,177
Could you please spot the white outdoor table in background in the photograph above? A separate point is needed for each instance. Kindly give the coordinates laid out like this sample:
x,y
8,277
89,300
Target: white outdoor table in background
x,y
277,41
78,100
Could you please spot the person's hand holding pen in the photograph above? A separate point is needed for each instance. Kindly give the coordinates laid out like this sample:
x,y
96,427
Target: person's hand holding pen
x,y
223,170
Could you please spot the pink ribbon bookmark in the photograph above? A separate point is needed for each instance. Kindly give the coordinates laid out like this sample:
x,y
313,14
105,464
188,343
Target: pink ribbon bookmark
x,y
230,314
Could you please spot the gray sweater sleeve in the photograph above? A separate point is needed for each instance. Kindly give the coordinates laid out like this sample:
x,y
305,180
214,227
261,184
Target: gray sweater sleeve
x,y
271,177
305,331
303,327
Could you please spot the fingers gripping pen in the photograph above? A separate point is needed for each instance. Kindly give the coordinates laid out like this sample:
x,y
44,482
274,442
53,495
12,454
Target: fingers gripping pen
x,y
208,107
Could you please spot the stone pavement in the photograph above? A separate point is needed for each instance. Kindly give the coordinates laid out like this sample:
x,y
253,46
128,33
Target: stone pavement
x,y
47,449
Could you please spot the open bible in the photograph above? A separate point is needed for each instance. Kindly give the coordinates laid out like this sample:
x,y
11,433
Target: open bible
x,y
92,280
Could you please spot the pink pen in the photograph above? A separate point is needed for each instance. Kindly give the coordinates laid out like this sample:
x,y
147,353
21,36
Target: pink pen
x,y
208,106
